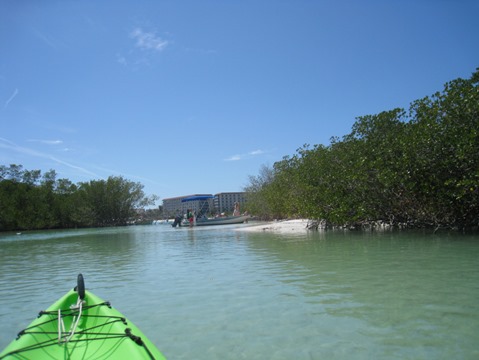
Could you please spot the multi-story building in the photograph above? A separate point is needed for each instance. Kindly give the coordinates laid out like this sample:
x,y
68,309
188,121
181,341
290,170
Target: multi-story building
x,y
225,202
200,203
203,203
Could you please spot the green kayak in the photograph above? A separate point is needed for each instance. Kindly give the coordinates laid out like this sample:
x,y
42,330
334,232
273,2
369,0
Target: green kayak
x,y
80,325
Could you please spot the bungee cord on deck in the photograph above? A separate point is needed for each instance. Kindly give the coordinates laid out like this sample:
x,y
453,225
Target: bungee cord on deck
x,y
63,337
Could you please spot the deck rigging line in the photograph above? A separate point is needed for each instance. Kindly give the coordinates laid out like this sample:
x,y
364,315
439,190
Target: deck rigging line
x,y
76,313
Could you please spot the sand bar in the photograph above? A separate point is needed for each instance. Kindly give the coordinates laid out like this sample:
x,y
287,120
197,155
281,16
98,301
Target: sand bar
x,y
282,226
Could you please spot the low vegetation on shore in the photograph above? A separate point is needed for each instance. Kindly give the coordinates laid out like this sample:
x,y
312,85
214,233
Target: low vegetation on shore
x,y
415,168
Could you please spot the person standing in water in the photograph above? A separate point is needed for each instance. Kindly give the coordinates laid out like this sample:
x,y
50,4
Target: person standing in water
x,y
190,216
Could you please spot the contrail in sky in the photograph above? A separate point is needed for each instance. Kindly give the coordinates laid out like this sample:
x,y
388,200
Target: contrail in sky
x,y
15,93
7,144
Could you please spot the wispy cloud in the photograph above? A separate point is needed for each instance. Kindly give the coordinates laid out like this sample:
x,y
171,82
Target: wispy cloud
x,y
234,158
148,40
127,175
47,142
9,145
120,59
46,39
15,93
148,44
250,154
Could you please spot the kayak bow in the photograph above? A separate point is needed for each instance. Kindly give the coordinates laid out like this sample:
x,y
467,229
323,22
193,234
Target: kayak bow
x,y
80,325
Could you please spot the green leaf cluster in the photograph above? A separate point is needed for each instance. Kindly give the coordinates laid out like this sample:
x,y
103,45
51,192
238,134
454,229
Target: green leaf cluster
x,y
30,200
417,168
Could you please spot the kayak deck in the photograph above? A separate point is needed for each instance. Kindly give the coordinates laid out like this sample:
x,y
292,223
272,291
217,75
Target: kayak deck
x,y
81,329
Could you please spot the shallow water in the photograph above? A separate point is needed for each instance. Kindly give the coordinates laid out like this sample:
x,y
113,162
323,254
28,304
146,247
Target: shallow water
x,y
216,293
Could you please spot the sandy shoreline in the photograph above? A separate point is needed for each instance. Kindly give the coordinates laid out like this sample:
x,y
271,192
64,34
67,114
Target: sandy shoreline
x,y
284,226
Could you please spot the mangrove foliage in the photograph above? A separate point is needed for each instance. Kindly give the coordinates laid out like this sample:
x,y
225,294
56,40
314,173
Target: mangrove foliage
x,y
414,168
32,200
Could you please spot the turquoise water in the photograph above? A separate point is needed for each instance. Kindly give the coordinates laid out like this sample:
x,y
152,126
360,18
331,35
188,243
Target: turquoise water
x,y
217,293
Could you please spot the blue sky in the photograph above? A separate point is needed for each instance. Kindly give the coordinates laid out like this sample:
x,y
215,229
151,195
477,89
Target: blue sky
x,y
195,96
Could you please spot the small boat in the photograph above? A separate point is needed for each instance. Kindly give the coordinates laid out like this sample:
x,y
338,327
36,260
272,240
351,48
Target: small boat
x,y
80,325
202,220
221,220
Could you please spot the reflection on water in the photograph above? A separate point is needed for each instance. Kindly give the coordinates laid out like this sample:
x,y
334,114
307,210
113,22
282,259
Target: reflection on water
x,y
217,293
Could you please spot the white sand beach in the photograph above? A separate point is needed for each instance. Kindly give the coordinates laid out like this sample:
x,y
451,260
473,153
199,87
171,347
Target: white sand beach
x,y
282,226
